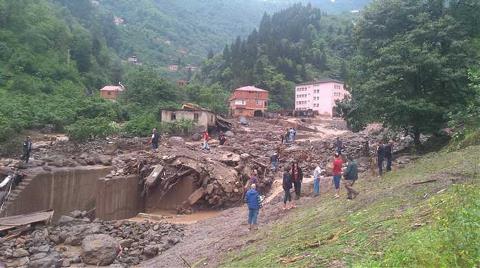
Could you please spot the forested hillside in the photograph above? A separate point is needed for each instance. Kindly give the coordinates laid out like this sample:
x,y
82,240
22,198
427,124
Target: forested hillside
x,y
49,62
292,46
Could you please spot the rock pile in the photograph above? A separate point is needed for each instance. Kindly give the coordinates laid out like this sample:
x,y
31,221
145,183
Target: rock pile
x,y
77,240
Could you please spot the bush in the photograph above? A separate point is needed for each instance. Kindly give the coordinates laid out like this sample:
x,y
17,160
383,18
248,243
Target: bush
x,y
88,129
141,125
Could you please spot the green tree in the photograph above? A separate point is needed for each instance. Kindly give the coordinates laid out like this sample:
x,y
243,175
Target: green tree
x,y
411,70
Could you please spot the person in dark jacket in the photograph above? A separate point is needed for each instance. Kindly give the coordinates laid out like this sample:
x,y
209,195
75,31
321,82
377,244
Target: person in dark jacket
x,y
221,138
338,146
287,186
351,175
155,139
389,155
27,149
297,178
252,198
380,157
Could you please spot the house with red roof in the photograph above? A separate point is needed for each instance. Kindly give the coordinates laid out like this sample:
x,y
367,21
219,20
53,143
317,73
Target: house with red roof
x,y
111,92
248,101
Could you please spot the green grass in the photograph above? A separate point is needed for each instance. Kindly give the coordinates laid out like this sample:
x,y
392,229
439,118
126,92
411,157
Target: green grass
x,y
393,223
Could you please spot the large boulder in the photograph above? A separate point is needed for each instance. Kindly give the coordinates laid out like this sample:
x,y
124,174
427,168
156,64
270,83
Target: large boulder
x,y
176,141
44,260
99,249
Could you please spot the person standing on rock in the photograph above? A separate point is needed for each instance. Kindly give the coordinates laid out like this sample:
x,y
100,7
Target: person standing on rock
x,y
252,198
351,175
155,139
338,146
317,173
287,186
380,157
297,178
389,155
222,139
337,173
274,160
206,137
27,149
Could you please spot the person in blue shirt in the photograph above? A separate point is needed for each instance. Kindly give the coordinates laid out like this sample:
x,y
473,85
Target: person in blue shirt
x,y
252,198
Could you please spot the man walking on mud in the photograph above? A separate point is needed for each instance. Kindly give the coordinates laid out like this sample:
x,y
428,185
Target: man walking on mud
x,y
351,175
27,149
252,198
205,137
274,160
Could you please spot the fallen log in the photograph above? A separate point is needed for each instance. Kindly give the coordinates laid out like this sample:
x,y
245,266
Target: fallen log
x,y
423,182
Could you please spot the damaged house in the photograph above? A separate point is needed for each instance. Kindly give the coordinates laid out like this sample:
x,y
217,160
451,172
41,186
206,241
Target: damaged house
x,y
201,117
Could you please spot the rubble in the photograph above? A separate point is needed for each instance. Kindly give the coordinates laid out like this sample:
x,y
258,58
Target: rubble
x,y
90,242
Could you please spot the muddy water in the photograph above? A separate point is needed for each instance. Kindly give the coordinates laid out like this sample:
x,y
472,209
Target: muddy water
x,y
172,217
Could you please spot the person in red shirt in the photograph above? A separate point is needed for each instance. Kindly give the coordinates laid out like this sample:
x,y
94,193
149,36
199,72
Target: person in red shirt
x,y
206,137
337,173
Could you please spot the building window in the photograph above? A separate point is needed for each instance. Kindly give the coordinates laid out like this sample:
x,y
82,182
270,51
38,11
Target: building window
x,y
195,117
109,93
259,102
173,116
239,102
337,86
337,94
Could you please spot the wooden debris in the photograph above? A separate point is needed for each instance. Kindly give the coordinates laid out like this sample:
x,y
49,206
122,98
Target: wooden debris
x,y
13,222
423,182
195,196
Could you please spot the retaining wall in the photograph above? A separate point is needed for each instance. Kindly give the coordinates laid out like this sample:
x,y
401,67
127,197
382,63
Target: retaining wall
x,y
62,189
118,198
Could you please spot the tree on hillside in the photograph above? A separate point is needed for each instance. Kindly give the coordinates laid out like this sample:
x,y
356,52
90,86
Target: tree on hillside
x,y
411,67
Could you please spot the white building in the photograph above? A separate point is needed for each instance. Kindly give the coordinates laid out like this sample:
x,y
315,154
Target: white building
x,y
319,96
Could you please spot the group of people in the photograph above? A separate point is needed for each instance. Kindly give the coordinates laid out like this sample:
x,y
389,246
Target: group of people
x,y
289,136
155,138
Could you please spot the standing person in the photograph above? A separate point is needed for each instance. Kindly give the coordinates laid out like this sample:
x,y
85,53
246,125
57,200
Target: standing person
x,y
27,149
274,160
294,134
389,155
337,173
297,178
317,173
351,175
338,146
222,139
380,157
287,186
282,137
252,198
205,137
154,139
291,135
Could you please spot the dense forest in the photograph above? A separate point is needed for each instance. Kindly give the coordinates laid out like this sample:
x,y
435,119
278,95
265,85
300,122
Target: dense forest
x,y
295,45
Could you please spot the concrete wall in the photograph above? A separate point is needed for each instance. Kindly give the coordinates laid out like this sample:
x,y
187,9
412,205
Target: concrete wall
x,y
118,198
62,189
174,198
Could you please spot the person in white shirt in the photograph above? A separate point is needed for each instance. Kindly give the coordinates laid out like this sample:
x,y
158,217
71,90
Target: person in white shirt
x,y
317,174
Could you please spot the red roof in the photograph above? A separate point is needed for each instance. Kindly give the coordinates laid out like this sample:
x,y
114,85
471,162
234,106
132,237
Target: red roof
x,y
250,88
112,88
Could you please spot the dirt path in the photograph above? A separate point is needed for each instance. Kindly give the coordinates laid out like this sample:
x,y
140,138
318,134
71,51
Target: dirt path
x,y
206,242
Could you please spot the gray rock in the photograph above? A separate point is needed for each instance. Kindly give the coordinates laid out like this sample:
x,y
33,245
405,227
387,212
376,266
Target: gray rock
x,y
229,134
196,137
99,249
126,243
76,214
176,141
20,252
150,251
43,260
73,240
65,219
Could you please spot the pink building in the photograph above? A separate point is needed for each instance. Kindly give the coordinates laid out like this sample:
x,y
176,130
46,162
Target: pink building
x,y
319,96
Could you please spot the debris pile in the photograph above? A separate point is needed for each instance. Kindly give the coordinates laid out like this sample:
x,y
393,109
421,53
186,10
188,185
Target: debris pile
x,y
76,239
